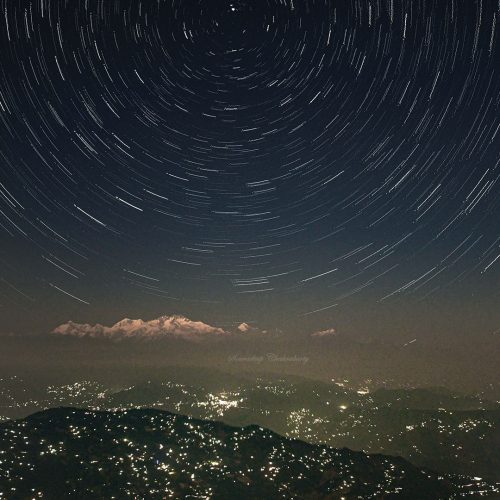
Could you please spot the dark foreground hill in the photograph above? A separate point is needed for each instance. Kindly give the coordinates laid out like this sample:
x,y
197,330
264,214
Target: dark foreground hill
x,y
70,453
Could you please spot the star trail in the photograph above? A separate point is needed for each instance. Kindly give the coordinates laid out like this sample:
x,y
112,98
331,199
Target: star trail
x,y
233,159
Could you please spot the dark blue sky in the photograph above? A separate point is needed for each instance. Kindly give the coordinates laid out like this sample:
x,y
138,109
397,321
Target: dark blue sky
x,y
293,164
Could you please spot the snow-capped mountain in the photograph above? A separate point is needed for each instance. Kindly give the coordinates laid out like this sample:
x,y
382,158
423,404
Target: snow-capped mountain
x,y
163,327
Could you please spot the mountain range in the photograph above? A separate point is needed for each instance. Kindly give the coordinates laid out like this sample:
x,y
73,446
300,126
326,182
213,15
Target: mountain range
x,y
432,427
175,326
71,453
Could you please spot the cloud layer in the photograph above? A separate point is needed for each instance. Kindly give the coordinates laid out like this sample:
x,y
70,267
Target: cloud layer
x,y
174,327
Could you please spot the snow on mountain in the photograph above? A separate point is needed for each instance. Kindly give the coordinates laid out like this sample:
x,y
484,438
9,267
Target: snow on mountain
x,y
163,327
330,332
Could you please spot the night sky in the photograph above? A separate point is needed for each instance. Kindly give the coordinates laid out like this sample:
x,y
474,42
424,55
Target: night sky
x,y
298,165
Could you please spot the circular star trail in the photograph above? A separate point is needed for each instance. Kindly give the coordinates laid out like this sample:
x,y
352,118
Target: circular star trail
x,y
240,152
